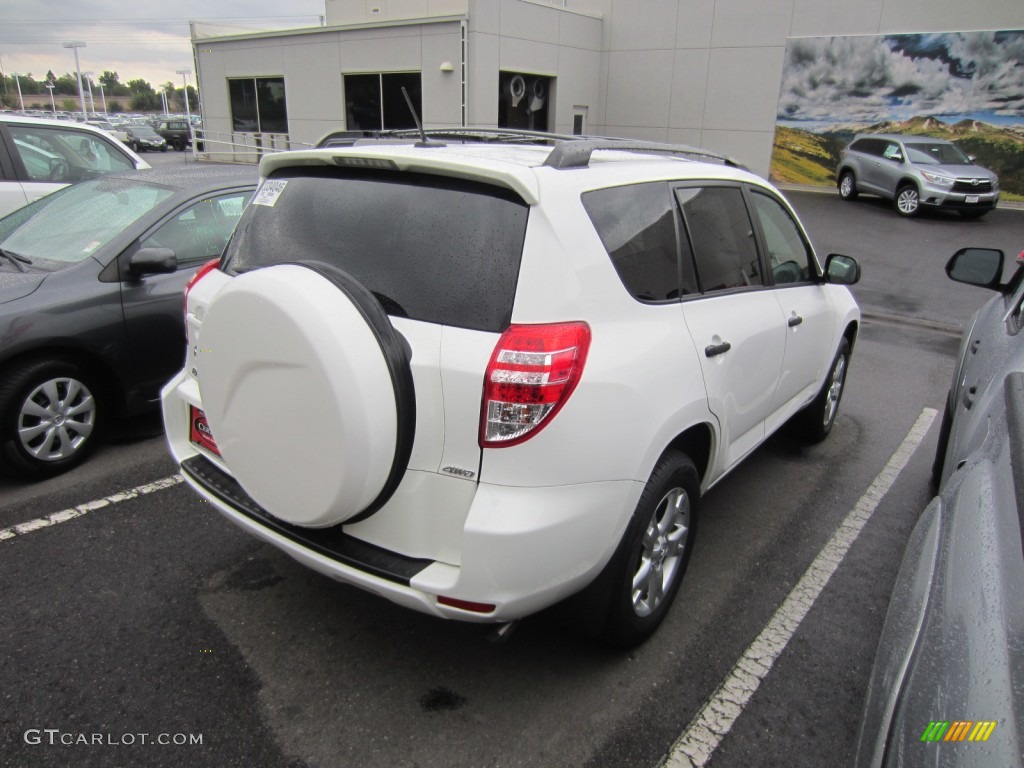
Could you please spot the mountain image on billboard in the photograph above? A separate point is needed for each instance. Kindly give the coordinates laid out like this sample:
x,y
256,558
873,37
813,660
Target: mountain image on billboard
x,y
965,87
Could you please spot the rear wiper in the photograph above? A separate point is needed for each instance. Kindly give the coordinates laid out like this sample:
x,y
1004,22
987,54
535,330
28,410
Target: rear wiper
x,y
16,259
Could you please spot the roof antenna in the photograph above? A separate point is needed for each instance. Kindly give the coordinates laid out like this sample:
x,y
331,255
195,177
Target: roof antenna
x,y
424,141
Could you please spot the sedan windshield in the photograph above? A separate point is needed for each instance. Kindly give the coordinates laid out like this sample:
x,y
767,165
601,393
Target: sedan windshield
x,y
933,153
83,219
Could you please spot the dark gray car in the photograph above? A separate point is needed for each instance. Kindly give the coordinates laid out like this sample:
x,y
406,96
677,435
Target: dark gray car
x,y
91,303
947,688
916,172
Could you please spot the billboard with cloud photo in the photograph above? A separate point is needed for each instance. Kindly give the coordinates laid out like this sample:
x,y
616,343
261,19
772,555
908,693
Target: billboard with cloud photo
x,y
967,87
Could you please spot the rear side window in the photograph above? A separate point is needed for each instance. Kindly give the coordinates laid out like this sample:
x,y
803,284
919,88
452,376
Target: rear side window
x,y
721,236
637,226
430,248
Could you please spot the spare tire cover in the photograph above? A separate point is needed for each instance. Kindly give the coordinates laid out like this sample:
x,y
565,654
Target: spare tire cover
x,y
300,395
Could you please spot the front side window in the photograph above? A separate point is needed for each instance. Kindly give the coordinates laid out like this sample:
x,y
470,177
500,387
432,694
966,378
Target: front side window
x,y
721,237
200,232
788,253
375,102
258,105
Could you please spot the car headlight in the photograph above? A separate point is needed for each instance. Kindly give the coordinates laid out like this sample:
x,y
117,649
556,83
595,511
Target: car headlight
x,y
934,178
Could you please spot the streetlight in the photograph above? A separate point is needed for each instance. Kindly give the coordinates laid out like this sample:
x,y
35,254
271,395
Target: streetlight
x,y
184,81
75,45
18,83
88,87
102,97
53,106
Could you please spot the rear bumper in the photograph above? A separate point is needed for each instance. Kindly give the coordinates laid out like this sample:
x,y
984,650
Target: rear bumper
x,y
517,549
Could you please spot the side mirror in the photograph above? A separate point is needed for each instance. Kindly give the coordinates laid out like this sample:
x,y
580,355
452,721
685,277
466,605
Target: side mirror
x,y
153,261
982,267
841,270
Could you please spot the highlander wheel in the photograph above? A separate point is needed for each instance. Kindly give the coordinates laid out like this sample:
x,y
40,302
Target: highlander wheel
x,y
48,412
908,201
847,186
308,391
649,565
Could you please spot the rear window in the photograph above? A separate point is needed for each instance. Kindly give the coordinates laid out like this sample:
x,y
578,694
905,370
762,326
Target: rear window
x,y
429,248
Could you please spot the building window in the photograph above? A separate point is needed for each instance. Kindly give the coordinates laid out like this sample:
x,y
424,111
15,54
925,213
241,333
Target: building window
x,y
375,102
258,105
523,101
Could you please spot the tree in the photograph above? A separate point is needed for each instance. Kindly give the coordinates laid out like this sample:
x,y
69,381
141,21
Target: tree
x,y
110,79
66,83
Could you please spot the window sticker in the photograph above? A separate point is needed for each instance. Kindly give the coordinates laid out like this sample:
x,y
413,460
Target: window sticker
x,y
269,191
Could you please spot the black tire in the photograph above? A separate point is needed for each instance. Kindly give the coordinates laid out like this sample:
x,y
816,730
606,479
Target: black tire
x,y
163,148
907,201
658,541
972,213
58,402
847,186
179,145
813,423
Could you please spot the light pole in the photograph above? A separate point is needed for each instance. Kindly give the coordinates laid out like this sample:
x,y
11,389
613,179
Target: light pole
x,y
102,97
53,106
75,45
18,83
88,87
184,81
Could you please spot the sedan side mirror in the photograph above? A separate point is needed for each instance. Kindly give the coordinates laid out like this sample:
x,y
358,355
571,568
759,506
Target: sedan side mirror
x,y
153,261
841,270
982,267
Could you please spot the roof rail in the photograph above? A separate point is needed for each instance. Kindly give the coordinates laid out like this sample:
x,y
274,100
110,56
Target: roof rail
x,y
576,154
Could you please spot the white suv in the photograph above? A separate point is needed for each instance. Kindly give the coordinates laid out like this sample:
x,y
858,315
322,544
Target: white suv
x,y
482,378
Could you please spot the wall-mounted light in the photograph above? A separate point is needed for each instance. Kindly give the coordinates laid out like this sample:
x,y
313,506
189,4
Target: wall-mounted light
x,y
447,66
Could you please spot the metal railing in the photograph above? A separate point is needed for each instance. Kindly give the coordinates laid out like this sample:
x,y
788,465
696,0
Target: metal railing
x,y
237,147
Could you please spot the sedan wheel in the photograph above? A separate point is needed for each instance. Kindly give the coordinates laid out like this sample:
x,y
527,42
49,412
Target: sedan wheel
x,y
49,415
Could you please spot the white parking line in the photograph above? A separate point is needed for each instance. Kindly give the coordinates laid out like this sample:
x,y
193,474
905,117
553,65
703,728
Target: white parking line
x,y
705,732
90,506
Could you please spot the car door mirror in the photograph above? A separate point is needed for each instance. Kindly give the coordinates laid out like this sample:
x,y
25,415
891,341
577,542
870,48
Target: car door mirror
x,y
153,261
841,270
977,266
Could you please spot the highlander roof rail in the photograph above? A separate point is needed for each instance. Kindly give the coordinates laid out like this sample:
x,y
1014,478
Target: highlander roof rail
x,y
576,154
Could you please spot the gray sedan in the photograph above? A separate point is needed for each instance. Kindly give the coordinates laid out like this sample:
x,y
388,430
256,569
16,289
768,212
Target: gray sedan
x,y
947,687
91,318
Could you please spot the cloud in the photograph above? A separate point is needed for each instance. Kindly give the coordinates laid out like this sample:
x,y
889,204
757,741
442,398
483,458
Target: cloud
x,y
872,78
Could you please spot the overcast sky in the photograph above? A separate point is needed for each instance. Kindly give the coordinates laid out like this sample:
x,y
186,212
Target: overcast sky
x,y
867,78
135,38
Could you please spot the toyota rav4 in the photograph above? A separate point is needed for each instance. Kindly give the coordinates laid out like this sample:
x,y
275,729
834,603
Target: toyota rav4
x,y
480,379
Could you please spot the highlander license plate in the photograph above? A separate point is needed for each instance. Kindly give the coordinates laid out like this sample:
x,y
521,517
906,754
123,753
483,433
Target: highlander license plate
x,y
971,199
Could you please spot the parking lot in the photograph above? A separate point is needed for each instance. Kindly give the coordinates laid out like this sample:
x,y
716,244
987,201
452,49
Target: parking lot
x,y
144,629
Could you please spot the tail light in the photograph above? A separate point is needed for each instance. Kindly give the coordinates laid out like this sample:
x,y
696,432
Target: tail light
x,y
531,374
199,275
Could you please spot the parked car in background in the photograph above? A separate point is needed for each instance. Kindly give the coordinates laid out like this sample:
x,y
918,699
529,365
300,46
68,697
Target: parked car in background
x,y
176,133
141,138
916,173
91,284
40,156
110,128
516,391
946,689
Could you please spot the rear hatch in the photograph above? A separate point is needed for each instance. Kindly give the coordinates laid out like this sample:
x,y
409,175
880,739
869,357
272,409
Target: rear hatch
x,y
439,255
